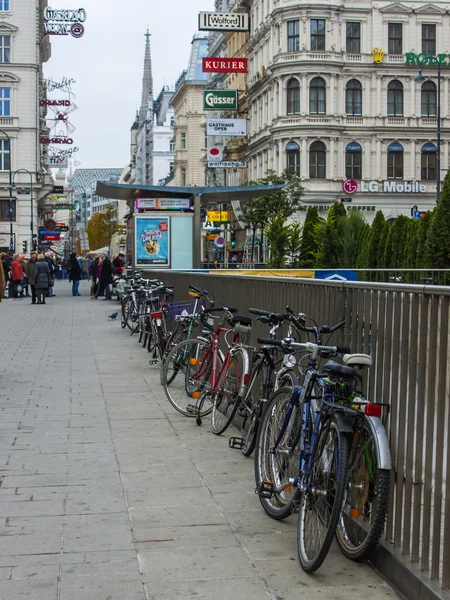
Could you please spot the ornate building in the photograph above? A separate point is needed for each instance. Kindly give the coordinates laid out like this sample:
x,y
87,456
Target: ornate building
x,y
144,135
336,93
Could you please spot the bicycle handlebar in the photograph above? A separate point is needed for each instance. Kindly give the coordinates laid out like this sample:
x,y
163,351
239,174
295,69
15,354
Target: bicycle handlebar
x,y
198,290
219,309
278,317
289,342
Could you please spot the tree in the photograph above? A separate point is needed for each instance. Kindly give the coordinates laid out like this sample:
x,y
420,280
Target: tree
x,y
362,247
438,239
399,230
382,248
253,217
294,246
374,244
351,228
101,227
309,244
331,243
278,235
422,234
412,229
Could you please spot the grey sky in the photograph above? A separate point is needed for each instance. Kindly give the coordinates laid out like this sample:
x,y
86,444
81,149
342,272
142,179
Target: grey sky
x,y
107,64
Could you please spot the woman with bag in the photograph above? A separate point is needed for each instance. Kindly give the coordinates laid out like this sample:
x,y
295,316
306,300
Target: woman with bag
x,y
75,274
42,279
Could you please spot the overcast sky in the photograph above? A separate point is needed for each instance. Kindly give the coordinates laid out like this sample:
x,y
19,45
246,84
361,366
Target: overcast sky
x,y
107,64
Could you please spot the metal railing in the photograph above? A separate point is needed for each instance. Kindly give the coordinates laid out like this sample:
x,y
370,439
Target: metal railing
x,y
405,328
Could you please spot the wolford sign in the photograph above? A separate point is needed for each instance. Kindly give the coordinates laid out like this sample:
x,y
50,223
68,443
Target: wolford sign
x,y
212,21
64,21
398,187
224,65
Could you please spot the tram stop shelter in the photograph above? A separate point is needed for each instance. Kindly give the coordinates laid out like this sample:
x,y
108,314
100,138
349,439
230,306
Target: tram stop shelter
x,y
164,223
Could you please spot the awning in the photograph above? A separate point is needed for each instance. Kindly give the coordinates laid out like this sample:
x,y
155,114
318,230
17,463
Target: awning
x,y
211,195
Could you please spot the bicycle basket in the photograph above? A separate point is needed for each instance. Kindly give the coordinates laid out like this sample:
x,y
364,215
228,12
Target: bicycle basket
x,y
181,309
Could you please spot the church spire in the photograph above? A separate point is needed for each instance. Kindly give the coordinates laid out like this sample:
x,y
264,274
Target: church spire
x,y
147,81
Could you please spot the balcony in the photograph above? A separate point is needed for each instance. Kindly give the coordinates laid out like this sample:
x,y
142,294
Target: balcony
x,y
12,122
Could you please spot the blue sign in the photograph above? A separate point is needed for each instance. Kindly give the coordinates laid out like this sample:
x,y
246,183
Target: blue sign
x,y
337,275
153,241
416,214
45,232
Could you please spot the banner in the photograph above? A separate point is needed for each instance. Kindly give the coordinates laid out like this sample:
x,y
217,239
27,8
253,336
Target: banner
x,y
152,241
163,203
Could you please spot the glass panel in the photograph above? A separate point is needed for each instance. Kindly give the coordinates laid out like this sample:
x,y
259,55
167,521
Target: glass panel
x,y
395,38
353,38
6,108
7,92
293,36
293,162
429,38
317,34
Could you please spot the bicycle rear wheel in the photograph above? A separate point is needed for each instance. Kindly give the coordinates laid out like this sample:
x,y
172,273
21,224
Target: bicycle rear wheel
x,y
366,500
250,421
274,468
226,395
178,335
321,503
124,312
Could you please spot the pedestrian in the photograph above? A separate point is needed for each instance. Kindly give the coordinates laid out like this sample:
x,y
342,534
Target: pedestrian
x,y
64,269
106,279
17,277
2,281
23,264
205,263
31,272
75,274
49,259
119,263
85,269
58,272
6,268
95,272
43,275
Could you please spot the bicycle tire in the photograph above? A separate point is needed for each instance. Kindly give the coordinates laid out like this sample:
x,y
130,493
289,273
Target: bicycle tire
x,y
250,422
123,316
179,334
226,395
289,379
278,467
151,341
366,500
322,501
161,340
181,395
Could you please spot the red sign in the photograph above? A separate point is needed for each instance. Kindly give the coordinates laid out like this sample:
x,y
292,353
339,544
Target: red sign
x,y
57,140
54,102
350,186
224,65
54,238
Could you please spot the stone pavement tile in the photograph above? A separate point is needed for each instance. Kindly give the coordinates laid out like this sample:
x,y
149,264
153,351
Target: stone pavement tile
x,y
142,479
5,573
97,532
165,516
36,572
32,508
154,497
350,592
122,586
110,568
13,480
162,539
227,481
256,521
100,501
238,501
271,545
234,588
35,589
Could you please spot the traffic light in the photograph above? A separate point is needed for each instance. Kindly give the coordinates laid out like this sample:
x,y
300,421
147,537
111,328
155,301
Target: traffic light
x,y
24,246
232,238
35,243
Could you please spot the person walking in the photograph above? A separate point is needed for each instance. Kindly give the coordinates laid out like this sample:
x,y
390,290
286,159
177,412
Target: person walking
x,y
119,264
49,259
31,272
106,279
64,269
6,267
23,264
17,277
75,274
95,272
43,275
2,281
85,269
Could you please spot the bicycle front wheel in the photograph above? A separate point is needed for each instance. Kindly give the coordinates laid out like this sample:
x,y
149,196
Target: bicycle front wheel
x,y
192,359
321,503
366,500
178,335
226,396
274,467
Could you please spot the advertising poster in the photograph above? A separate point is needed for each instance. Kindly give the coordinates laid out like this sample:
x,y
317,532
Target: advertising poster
x,y
152,241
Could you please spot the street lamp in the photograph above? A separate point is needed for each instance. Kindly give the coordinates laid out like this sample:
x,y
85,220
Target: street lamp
x,y
421,78
31,202
11,243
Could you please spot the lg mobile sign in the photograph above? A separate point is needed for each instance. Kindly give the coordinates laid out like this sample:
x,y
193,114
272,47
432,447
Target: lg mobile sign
x,y
64,21
231,127
220,100
212,21
224,65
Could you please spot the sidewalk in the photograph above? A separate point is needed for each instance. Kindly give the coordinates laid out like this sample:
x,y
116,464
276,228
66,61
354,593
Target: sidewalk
x,y
106,493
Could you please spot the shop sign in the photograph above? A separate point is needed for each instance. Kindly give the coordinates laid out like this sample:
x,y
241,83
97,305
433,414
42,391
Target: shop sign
x,y
210,237
60,162
229,127
64,22
224,65
215,154
152,241
52,237
411,58
326,207
394,187
163,203
378,55
54,102
213,21
220,100
59,198
64,206
56,140
226,164
43,232
350,186
217,215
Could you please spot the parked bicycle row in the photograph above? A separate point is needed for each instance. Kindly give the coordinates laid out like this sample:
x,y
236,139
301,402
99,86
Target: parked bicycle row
x,y
320,446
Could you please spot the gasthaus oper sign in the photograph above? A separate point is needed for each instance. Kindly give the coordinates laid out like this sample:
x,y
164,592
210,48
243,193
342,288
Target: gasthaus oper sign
x,y
212,21
231,127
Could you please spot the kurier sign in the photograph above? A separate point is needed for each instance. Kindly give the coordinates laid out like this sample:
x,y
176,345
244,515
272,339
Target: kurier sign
x,y
213,21
64,21
230,127
220,100
224,65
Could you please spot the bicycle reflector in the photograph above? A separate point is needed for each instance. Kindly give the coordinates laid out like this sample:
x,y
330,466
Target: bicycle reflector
x,y
193,361
372,410
157,315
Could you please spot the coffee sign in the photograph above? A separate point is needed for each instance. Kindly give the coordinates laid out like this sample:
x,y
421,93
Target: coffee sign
x,y
220,100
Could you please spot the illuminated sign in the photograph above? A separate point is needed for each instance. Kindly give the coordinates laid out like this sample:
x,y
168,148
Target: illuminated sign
x,y
396,187
54,102
64,21
224,65
226,164
217,215
56,140
163,203
411,58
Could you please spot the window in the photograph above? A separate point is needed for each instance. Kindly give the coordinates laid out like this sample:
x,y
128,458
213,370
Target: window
x,y
5,154
317,96
5,48
293,158
293,34
172,121
317,34
428,38
317,161
353,98
172,145
4,210
4,5
428,99
293,97
395,99
395,161
353,38
428,162
395,42
183,141
183,176
353,161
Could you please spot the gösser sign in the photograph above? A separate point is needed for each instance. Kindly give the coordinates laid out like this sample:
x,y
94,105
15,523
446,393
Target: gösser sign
x,y
220,99
231,127
64,21
212,21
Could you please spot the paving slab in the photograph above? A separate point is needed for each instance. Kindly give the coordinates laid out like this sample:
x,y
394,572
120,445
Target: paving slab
x,y
108,493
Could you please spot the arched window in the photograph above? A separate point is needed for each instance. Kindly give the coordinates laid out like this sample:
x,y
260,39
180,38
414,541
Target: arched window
x,y
293,158
428,99
428,162
395,161
172,145
293,97
317,160
317,96
353,98
395,99
353,161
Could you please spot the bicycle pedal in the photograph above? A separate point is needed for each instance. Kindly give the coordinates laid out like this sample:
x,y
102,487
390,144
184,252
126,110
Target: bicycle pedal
x,y
265,489
192,409
235,442
153,361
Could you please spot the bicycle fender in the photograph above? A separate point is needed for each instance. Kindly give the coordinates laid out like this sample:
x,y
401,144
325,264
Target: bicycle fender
x,y
345,425
382,443
246,369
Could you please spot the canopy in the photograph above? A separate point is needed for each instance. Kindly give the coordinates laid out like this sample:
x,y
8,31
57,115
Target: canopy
x,y
395,147
353,147
429,147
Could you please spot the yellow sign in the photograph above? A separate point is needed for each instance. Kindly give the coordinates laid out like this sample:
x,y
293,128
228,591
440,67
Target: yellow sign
x,y
217,215
268,273
378,55
58,198
212,236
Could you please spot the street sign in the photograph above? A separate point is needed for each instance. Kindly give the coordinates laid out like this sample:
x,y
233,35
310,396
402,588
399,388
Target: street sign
x,y
58,189
220,100
217,215
211,236
59,198
230,127
64,207
23,191
226,164
219,241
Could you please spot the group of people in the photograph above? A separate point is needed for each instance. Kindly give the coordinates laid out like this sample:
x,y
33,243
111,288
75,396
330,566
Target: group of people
x,y
101,272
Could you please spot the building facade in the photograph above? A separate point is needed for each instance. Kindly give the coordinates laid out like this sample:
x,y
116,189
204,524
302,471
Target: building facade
x,y
82,185
335,93
163,142
21,120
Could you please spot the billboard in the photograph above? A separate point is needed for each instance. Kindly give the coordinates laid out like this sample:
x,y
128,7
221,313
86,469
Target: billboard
x,y
231,127
224,65
163,203
220,100
213,21
152,242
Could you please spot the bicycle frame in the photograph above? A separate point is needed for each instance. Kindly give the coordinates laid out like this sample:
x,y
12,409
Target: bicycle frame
x,y
213,348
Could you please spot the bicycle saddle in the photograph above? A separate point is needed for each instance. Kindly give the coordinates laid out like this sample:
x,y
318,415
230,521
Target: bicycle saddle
x,y
340,370
358,360
241,320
